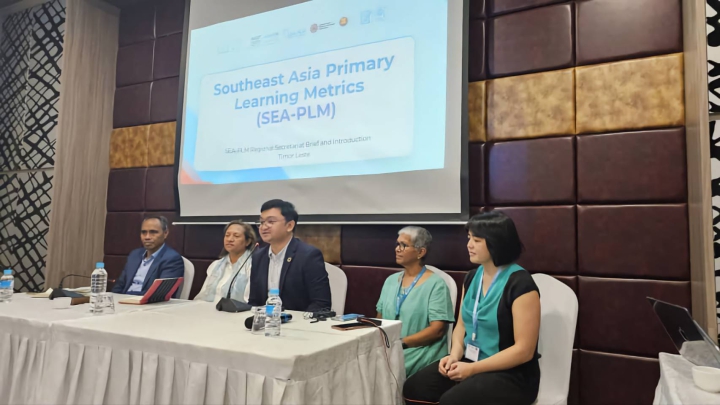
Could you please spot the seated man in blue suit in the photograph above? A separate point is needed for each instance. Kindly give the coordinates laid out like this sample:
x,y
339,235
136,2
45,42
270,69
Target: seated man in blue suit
x,y
155,260
295,268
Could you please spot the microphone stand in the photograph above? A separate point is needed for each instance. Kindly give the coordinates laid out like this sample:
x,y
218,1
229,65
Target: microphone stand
x,y
227,304
60,293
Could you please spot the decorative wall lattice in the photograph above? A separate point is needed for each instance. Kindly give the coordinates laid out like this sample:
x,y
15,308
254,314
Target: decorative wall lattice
x,y
31,49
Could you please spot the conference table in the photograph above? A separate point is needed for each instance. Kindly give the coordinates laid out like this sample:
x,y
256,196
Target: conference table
x,y
186,352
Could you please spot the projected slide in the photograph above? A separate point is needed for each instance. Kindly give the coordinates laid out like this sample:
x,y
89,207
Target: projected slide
x,y
321,89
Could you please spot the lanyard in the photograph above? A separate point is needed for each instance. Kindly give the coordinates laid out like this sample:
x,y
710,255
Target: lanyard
x,y
477,299
401,297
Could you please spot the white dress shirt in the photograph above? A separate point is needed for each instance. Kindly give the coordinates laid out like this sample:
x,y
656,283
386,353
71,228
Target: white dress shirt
x,y
275,267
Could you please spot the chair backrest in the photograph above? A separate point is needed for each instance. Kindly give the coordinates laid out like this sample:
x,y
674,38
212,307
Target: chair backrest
x,y
559,310
338,287
453,294
187,279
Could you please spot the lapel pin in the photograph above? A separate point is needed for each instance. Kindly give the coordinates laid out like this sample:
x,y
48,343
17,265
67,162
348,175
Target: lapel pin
x,y
289,259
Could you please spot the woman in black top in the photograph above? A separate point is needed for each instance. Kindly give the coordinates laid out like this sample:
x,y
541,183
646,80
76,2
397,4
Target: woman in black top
x,y
494,358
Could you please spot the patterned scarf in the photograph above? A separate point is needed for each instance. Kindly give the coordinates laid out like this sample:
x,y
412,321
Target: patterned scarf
x,y
238,291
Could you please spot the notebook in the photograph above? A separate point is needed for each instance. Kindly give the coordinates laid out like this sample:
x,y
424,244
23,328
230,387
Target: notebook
x,y
162,289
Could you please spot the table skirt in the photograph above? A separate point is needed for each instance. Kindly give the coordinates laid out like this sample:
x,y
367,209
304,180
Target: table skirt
x,y
21,367
89,374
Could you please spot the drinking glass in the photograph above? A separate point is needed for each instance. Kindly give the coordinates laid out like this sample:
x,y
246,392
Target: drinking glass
x,y
258,325
107,302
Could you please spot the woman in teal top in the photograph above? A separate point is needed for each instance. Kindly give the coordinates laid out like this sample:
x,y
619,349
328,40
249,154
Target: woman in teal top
x,y
494,358
420,299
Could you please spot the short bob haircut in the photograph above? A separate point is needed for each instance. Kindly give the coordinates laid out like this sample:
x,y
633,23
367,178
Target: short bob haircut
x,y
500,236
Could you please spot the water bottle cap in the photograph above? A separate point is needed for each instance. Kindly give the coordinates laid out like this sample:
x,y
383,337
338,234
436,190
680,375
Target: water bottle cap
x,y
274,291
99,265
7,272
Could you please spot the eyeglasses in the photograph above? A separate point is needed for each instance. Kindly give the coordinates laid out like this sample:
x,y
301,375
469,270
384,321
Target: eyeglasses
x,y
400,246
269,222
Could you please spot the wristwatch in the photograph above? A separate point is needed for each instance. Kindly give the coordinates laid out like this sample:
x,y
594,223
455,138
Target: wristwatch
x,y
405,346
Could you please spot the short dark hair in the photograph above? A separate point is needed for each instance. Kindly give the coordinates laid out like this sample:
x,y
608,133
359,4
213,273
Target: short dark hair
x,y
500,234
287,209
162,219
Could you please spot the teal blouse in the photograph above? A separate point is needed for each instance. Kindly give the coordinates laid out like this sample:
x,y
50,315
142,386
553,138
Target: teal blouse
x,y
494,311
427,302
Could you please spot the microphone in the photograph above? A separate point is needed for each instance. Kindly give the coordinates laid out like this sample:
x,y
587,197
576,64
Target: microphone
x,y
60,293
227,304
284,318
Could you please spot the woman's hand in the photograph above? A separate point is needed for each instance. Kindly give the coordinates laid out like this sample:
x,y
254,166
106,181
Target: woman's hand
x,y
445,364
459,371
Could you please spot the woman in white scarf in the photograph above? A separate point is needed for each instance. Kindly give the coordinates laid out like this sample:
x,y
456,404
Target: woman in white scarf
x,y
239,238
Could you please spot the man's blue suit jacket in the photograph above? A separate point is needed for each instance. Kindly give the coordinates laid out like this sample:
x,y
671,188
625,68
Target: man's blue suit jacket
x,y
167,264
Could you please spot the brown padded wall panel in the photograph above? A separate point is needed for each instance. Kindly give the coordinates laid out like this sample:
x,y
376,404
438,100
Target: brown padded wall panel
x,y
203,241
164,105
126,190
364,287
135,63
539,225
122,232
634,241
632,94
505,6
531,171
201,267
167,56
160,191
132,105
616,379
137,24
476,166
169,17
477,62
615,315
114,266
570,281
531,41
477,9
176,236
574,391
458,277
610,30
531,106
448,250
632,166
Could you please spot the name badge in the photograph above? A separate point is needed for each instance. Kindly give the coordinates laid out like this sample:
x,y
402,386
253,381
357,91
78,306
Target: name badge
x,y
472,352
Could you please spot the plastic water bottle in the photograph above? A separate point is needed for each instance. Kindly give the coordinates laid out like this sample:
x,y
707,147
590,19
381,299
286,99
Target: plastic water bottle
x,y
6,286
98,284
273,310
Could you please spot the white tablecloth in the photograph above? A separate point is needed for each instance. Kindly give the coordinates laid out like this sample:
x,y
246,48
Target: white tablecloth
x,y
193,354
25,327
676,384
